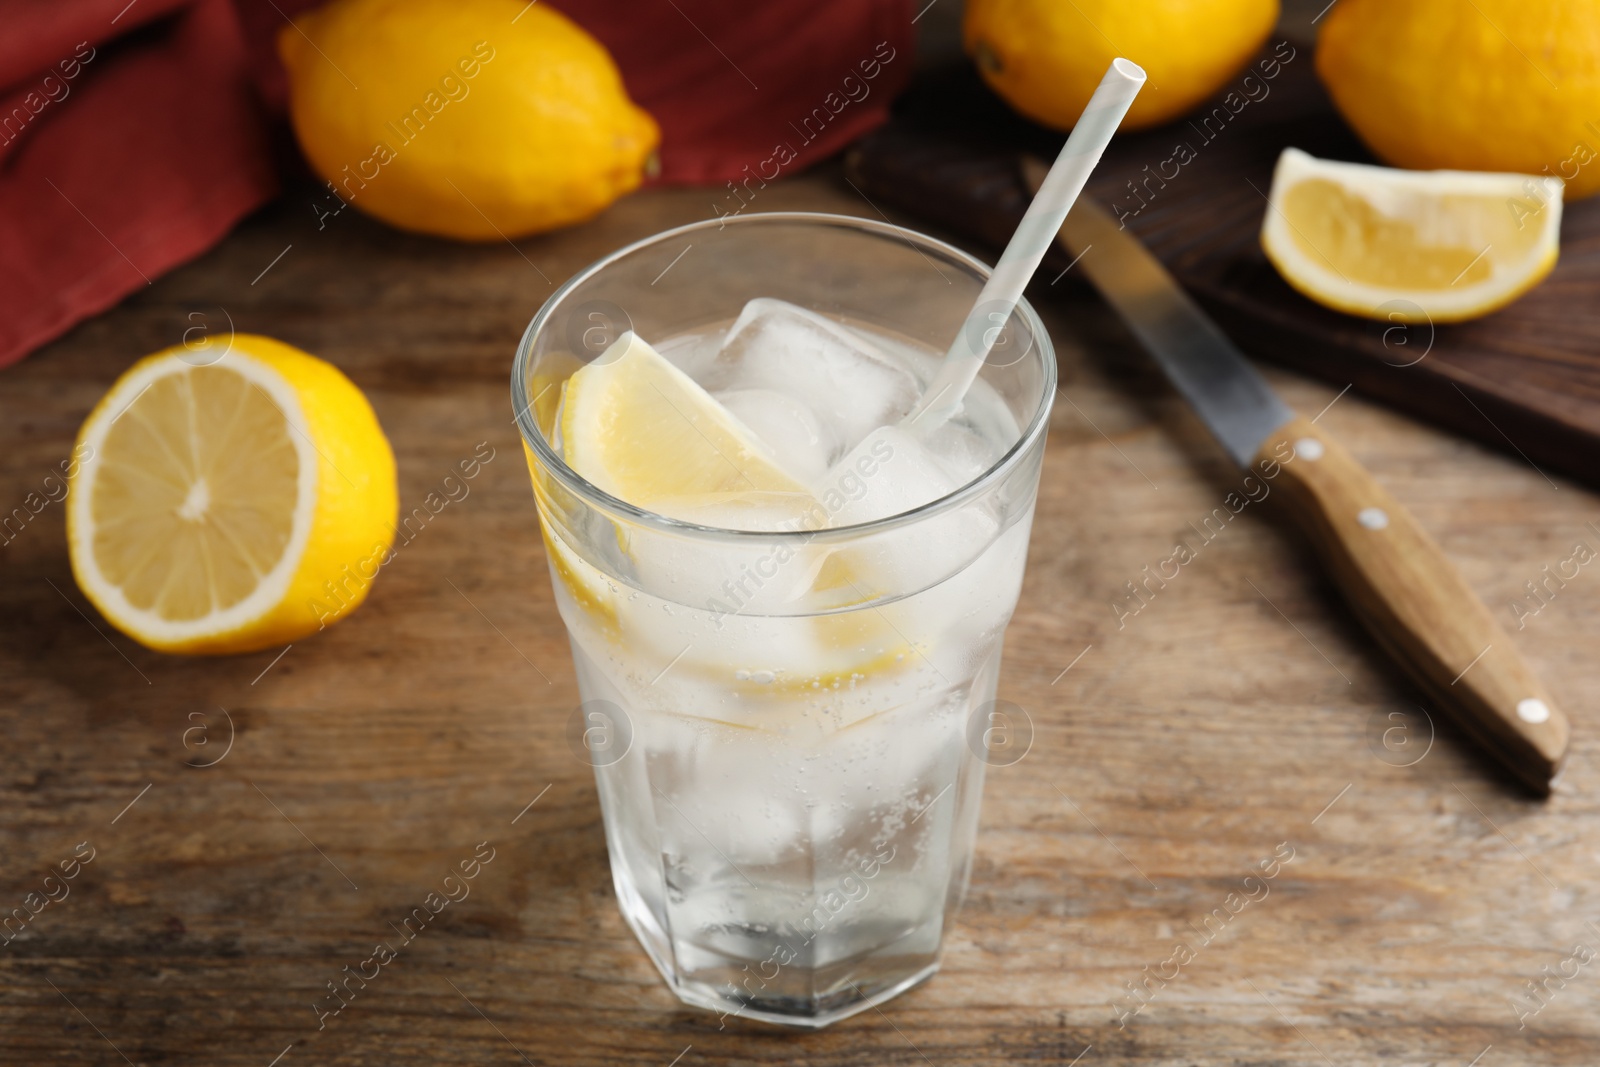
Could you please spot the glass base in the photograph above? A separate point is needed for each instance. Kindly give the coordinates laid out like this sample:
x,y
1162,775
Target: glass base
x,y
730,988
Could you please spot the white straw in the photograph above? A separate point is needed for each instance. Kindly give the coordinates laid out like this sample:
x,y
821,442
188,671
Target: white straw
x,y
1038,228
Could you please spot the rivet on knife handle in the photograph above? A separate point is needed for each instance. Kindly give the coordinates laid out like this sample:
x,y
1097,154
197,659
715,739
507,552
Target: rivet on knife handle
x,y
1416,604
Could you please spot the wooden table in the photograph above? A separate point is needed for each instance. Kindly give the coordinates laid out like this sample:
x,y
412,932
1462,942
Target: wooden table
x,y
1240,712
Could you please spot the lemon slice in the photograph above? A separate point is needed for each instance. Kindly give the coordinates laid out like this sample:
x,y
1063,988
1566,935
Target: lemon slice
x,y
237,496
642,430
1409,246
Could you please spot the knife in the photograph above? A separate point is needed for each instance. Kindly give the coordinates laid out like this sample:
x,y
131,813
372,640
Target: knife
x,y
1397,580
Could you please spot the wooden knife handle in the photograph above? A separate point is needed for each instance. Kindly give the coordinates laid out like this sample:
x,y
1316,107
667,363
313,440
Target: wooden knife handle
x,y
1415,603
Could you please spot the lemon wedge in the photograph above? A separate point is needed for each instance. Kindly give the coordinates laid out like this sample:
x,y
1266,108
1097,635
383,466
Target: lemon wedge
x,y
592,593
637,427
237,495
1409,246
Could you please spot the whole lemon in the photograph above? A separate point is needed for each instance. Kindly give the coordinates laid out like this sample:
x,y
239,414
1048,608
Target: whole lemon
x,y
474,119
1499,85
1046,56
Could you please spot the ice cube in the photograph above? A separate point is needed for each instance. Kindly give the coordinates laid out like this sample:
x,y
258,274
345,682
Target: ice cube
x,y
692,353
851,383
964,453
799,442
888,473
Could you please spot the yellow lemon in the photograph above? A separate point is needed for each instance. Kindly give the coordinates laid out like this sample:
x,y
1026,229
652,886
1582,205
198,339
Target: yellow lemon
x,y
642,430
1498,85
1408,246
474,119
233,496
639,428
1046,56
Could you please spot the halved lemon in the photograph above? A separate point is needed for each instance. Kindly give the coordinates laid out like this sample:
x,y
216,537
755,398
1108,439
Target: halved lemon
x,y
1409,246
235,495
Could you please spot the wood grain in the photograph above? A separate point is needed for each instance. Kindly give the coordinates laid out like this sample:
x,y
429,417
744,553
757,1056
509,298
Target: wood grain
x,y
1179,750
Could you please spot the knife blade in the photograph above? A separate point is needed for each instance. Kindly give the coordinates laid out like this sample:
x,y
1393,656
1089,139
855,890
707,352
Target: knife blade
x,y
1397,580
1233,400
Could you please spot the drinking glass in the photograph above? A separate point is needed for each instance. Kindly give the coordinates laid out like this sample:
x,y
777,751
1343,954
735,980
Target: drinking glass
x,y
788,730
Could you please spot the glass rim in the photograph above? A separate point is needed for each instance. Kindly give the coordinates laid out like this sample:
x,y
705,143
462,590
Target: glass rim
x,y
618,508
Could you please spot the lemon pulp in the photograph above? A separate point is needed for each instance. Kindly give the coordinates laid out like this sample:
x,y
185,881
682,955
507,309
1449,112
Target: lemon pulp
x,y
1437,246
195,498
639,428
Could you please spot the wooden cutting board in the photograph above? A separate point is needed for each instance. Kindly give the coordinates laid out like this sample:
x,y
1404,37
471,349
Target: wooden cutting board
x,y
1525,380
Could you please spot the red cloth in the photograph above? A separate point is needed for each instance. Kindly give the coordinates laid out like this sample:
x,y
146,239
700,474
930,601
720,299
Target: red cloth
x,y
159,140
131,140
